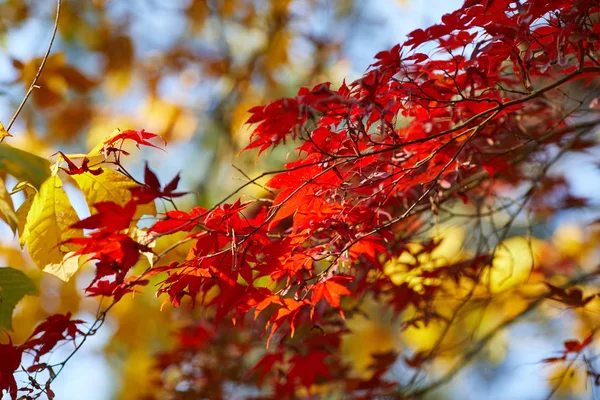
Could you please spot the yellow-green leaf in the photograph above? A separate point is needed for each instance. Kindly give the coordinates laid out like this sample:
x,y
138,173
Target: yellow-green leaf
x,y
7,209
48,226
23,210
110,186
23,165
14,284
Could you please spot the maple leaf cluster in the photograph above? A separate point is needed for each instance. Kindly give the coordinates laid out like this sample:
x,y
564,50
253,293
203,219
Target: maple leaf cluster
x,y
375,159
415,132
54,330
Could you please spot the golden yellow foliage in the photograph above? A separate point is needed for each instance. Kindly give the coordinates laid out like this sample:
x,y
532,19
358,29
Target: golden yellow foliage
x,y
512,264
568,380
423,337
569,240
410,265
173,121
370,333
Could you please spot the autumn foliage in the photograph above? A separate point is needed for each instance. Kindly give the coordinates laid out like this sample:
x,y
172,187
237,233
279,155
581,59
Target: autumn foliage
x,y
460,124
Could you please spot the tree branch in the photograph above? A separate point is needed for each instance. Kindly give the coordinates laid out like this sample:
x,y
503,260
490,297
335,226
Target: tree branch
x,y
469,356
39,71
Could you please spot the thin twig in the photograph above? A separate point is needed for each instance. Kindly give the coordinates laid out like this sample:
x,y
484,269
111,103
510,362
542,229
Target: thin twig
x,y
476,349
39,71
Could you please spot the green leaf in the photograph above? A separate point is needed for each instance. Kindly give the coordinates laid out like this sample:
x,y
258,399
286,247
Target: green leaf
x,y
14,284
48,225
23,165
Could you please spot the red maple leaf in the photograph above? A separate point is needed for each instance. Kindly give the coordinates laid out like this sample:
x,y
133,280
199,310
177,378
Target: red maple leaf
x,y
177,221
10,359
288,312
265,365
196,336
75,170
306,369
140,137
332,289
48,333
152,190
110,216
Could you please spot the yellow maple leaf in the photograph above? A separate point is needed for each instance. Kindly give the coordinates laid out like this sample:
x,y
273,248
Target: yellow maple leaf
x,y
65,269
3,132
110,186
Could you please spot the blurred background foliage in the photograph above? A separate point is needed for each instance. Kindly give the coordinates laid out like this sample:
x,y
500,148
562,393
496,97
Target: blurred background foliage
x,y
189,70
186,69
